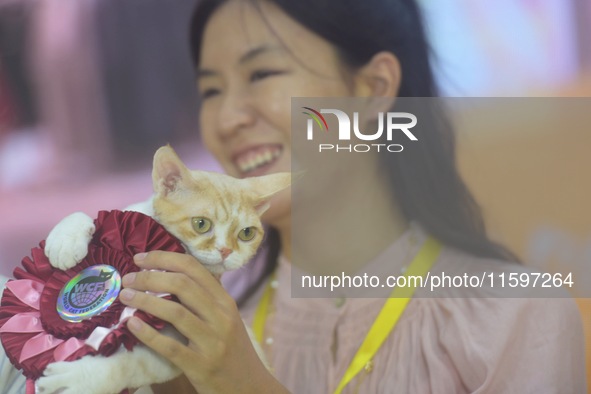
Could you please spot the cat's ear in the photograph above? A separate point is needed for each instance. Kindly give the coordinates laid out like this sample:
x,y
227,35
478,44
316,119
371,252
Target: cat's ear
x,y
266,186
168,171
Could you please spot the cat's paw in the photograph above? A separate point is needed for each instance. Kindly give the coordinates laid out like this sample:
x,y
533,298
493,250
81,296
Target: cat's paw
x,y
80,376
67,243
56,379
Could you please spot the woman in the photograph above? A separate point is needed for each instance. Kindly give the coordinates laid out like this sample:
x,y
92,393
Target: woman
x,y
251,58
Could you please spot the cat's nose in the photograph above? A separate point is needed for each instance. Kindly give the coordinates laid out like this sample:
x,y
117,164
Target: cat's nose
x,y
225,252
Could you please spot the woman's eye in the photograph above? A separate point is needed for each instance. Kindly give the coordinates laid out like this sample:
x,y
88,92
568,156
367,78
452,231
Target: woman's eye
x,y
262,74
247,234
207,93
201,225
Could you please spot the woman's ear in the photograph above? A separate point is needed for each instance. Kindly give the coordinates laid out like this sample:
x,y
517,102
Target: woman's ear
x,y
379,81
379,78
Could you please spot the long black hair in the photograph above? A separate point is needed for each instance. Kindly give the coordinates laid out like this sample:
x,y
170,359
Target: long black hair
x,y
425,180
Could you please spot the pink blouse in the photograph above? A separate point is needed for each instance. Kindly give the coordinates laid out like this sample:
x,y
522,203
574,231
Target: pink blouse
x,y
440,345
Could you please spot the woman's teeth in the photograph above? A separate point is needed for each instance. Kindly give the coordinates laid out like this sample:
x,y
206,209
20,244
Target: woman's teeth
x,y
253,161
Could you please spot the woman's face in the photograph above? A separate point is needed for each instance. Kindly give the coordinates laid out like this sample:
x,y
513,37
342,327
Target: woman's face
x,y
252,63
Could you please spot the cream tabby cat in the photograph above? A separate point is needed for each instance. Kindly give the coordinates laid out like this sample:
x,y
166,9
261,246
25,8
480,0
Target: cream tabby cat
x,y
216,217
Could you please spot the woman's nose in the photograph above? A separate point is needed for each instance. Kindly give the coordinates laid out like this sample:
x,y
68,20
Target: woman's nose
x,y
236,113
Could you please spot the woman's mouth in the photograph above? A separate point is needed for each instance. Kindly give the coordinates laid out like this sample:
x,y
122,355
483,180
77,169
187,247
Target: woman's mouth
x,y
257,160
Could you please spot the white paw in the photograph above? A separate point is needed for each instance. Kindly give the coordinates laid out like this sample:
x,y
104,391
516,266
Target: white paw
x,y
81,376
55,379
59,377
67,243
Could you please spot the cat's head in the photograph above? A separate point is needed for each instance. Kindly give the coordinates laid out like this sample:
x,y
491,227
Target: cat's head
x,y
216,216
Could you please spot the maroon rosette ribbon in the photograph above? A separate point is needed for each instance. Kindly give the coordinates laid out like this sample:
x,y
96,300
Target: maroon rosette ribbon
x,y
32,332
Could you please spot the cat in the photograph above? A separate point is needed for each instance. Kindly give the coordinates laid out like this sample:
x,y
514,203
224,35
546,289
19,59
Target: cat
x,y
215,216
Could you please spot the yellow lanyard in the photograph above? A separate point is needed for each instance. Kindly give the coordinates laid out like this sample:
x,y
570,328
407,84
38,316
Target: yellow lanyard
x,y
383,324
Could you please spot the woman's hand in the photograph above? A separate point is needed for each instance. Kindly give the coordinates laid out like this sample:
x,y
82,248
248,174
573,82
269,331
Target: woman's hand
x,y
219,357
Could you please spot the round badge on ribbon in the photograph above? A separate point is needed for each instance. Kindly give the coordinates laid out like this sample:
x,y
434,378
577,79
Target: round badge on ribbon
x,y
89,293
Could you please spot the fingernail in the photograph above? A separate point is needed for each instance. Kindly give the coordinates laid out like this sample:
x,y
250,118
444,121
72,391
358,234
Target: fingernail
x,y
138,258
135,324
127,294
128,279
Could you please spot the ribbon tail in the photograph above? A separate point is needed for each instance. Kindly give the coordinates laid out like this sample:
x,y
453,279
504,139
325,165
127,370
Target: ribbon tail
x,y
38,344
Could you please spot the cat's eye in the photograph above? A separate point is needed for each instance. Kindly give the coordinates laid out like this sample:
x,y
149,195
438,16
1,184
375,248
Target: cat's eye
x,y
201,225
247,234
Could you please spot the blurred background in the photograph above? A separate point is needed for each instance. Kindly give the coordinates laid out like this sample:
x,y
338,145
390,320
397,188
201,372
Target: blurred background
x,y
89,89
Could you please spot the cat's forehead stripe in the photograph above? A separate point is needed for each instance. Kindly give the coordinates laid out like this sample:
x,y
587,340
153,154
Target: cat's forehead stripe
x,y
228,200
213,191
222,210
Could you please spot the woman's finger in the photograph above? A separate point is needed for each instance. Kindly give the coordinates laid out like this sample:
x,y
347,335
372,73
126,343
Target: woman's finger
x,y
183,263
191,294
176,314
169,348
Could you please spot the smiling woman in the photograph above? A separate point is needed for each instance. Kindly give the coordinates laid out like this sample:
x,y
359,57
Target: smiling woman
x,y
407,214
411,213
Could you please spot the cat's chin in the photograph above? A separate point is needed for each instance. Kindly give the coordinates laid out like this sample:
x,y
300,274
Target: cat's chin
x,y
208,259
215,266
217,269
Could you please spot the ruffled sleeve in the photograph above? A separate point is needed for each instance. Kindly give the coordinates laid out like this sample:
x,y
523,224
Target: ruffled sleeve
x,y
508,345
481,341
